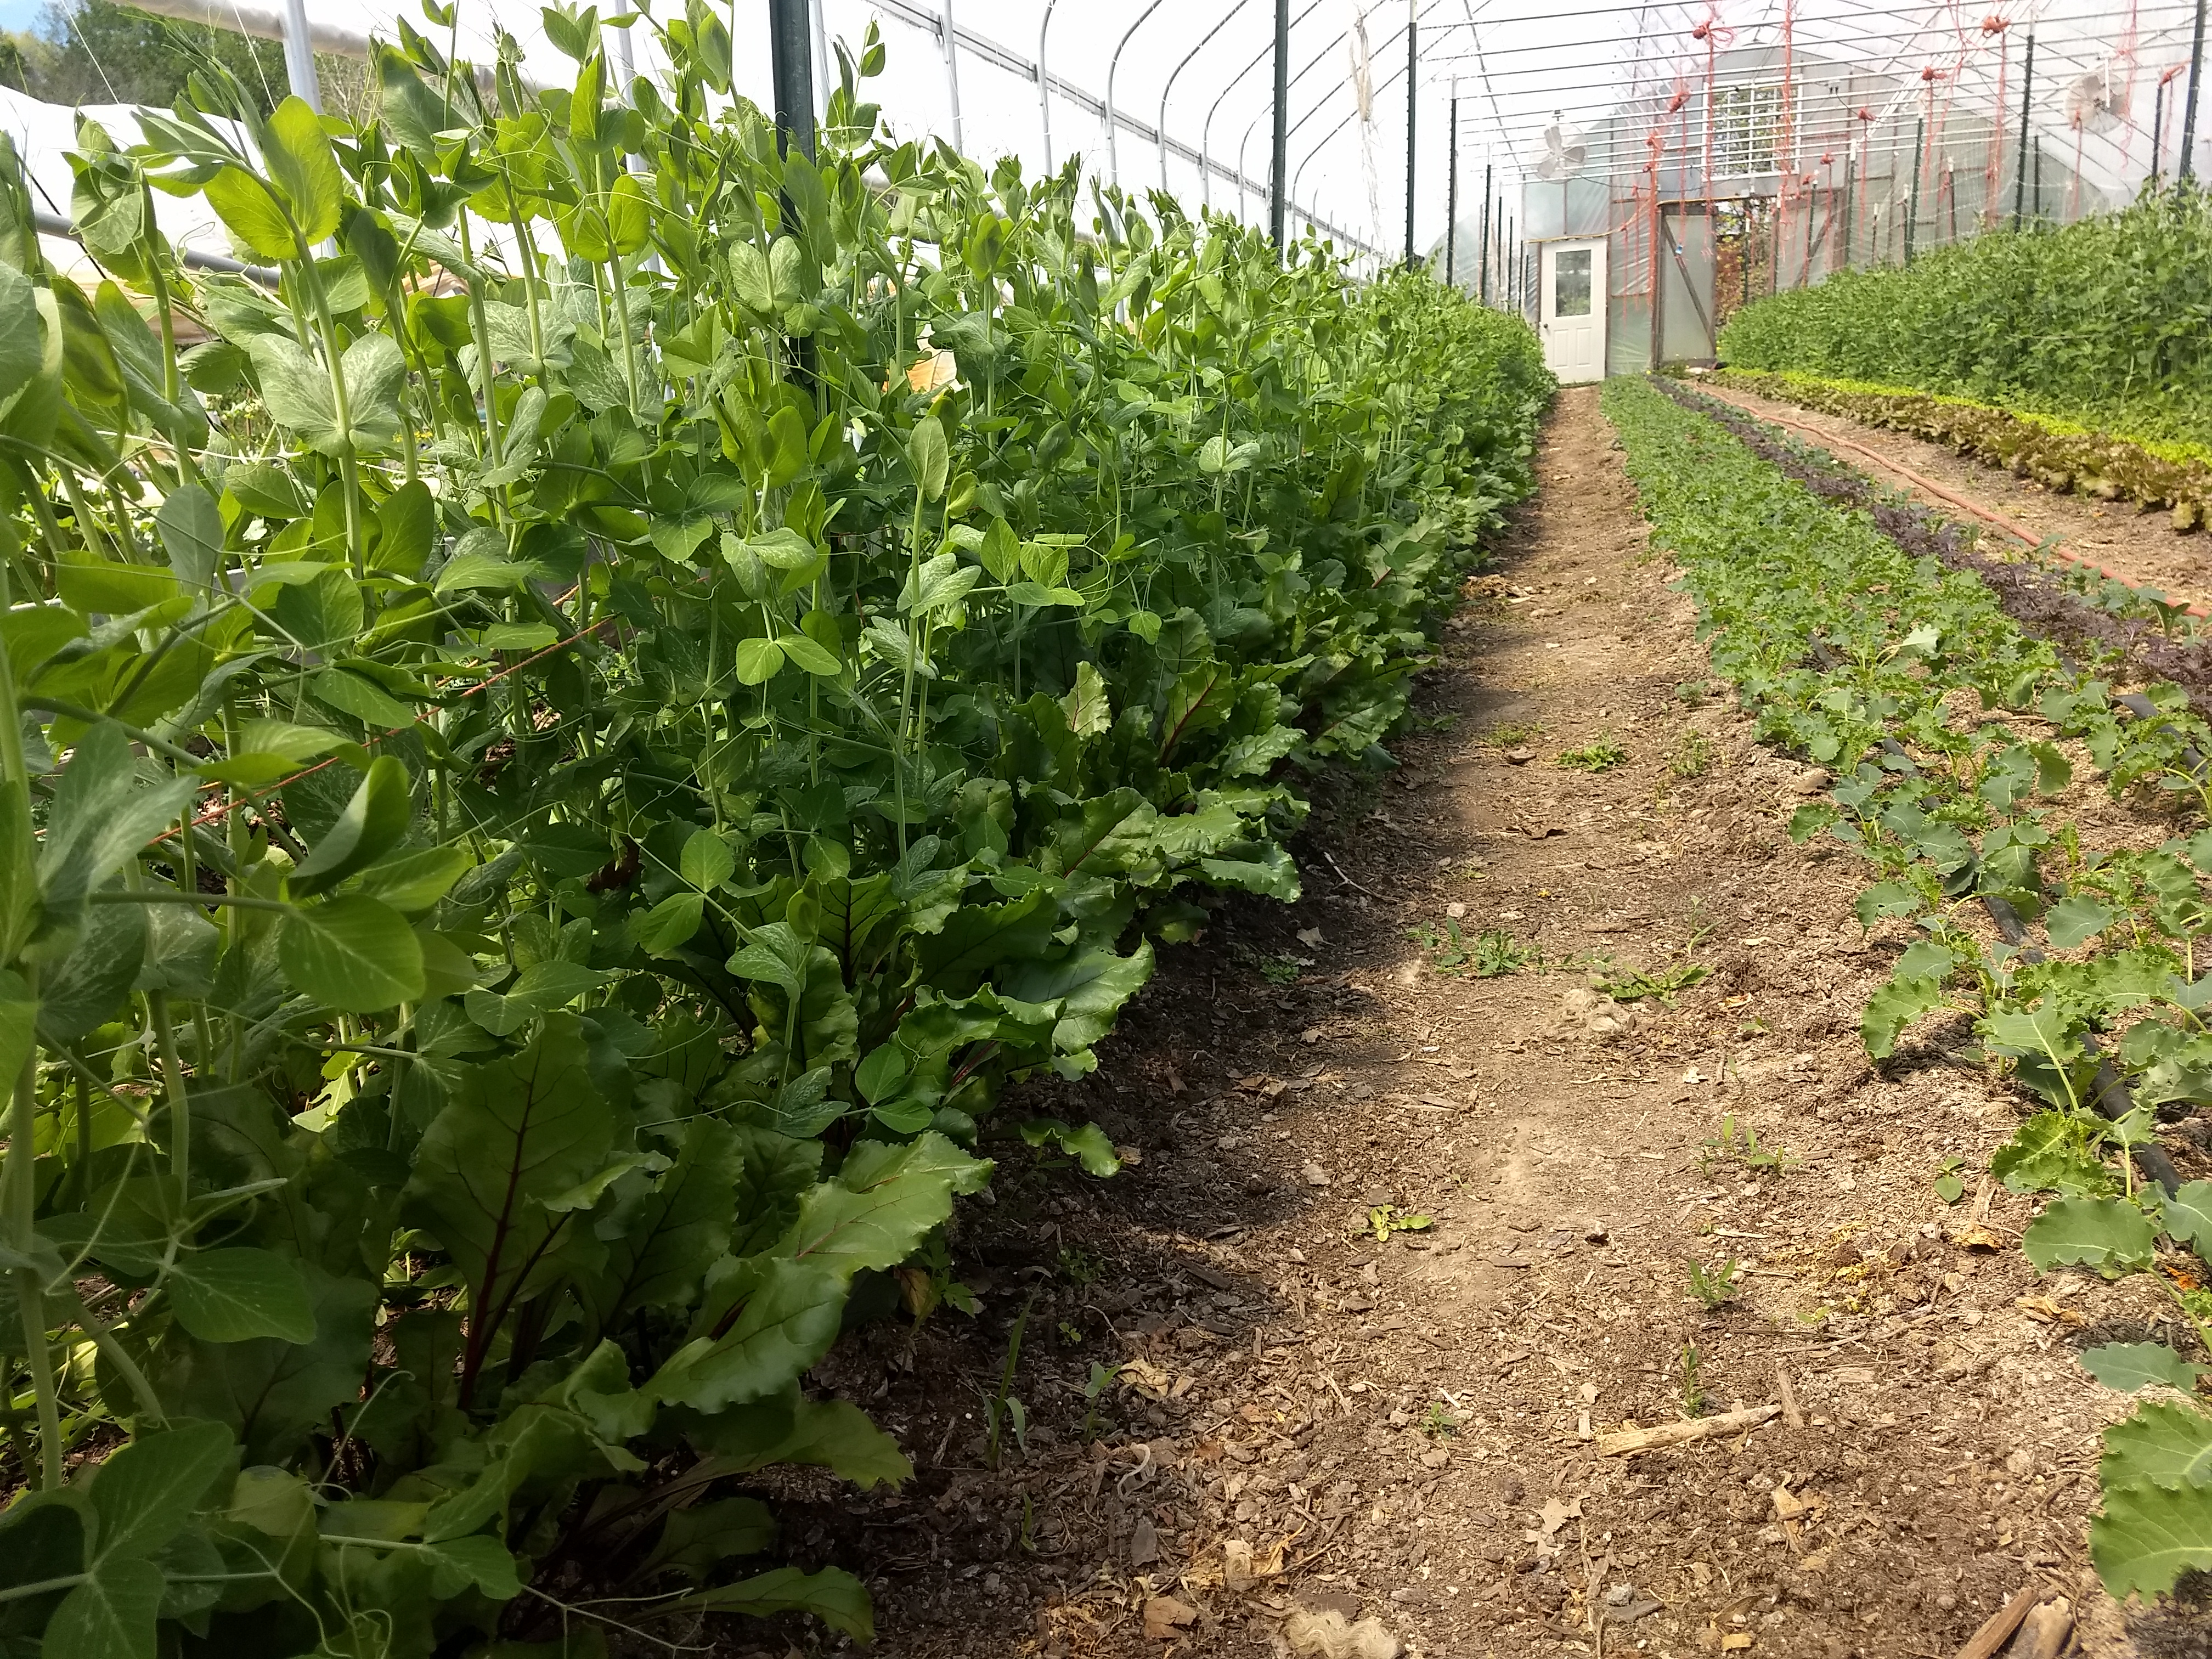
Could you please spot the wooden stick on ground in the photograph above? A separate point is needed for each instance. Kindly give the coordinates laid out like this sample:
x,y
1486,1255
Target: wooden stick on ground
x,y
1790,1414
1999,1626
1677,1434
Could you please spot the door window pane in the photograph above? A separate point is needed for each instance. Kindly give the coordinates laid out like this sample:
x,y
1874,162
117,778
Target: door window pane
x,y
1571,283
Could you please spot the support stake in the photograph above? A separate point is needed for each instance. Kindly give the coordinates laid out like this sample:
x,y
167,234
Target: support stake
x,y
791,52
1278,179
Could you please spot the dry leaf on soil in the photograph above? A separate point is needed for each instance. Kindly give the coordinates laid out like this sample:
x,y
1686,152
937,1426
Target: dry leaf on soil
x,y
1165,1616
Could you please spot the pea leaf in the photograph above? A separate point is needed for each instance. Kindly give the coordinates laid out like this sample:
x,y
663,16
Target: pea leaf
x,y
352,952
251,212
189,526
296,387
537,989
146,1492
758,661
810,654
834,1596
111,1615
305,168
629,214
375,817
669,926
238,1293
928,457
480,1561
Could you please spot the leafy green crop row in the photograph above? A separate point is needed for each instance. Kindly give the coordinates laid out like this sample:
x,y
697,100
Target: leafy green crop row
x,y
1940,719
553,770
2056,455
2107,322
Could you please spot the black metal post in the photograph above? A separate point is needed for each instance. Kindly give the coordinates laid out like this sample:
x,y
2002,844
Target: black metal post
x,y
1482,265
2019,168
2187,166
1912,201
1451,198
791,46
1413,107
1278,176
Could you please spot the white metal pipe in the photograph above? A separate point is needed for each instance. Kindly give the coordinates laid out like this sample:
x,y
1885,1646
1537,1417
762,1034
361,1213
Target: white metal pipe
x,y
1113,67
825,66
1044,85
1227,17
951,36
299,56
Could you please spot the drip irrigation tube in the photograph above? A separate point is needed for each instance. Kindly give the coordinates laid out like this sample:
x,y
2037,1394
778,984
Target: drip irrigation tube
x,y
1965,503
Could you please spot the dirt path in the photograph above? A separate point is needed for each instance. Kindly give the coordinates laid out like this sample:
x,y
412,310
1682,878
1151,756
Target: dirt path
x,y
2141,548
1299,1418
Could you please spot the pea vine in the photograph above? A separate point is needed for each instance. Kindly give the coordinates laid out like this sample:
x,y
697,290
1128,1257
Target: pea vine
x,y
564,738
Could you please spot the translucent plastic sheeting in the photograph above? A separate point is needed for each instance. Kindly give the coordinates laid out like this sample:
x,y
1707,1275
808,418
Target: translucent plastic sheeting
x,y
1202,71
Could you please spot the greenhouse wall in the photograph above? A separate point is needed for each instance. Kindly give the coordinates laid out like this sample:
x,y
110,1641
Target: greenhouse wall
x,y
1868,168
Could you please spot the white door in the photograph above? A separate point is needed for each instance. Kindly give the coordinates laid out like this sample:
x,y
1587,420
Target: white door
x,y
1570,314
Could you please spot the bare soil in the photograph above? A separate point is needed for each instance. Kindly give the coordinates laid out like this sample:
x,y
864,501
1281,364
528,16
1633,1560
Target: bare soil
x,y
1298,1417
2141,548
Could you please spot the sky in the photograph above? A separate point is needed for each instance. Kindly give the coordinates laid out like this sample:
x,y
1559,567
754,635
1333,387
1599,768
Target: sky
x,y
1517,65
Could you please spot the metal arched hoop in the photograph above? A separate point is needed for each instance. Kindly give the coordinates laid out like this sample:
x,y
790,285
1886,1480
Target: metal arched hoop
x,y
1113,121
1161,128
1044,85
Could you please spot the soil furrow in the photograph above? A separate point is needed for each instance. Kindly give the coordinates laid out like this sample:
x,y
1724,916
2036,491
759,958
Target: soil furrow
x,y
1252,1405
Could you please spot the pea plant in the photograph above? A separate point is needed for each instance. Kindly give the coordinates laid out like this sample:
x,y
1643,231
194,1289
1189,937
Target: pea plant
x,y
2101,322
563,741
1861,656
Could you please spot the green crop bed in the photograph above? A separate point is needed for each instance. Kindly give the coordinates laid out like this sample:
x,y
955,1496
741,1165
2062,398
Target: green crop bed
x,y
2106,325
555,769
1854,652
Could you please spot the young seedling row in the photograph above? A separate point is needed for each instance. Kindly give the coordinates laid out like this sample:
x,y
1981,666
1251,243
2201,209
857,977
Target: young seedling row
x,y
1871,645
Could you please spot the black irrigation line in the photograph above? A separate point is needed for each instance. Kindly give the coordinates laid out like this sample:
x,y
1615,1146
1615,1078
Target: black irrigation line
x,y
2039,604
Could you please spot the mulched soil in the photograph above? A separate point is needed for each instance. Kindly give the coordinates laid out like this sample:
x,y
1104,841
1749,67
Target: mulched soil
x,y
1296,1426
